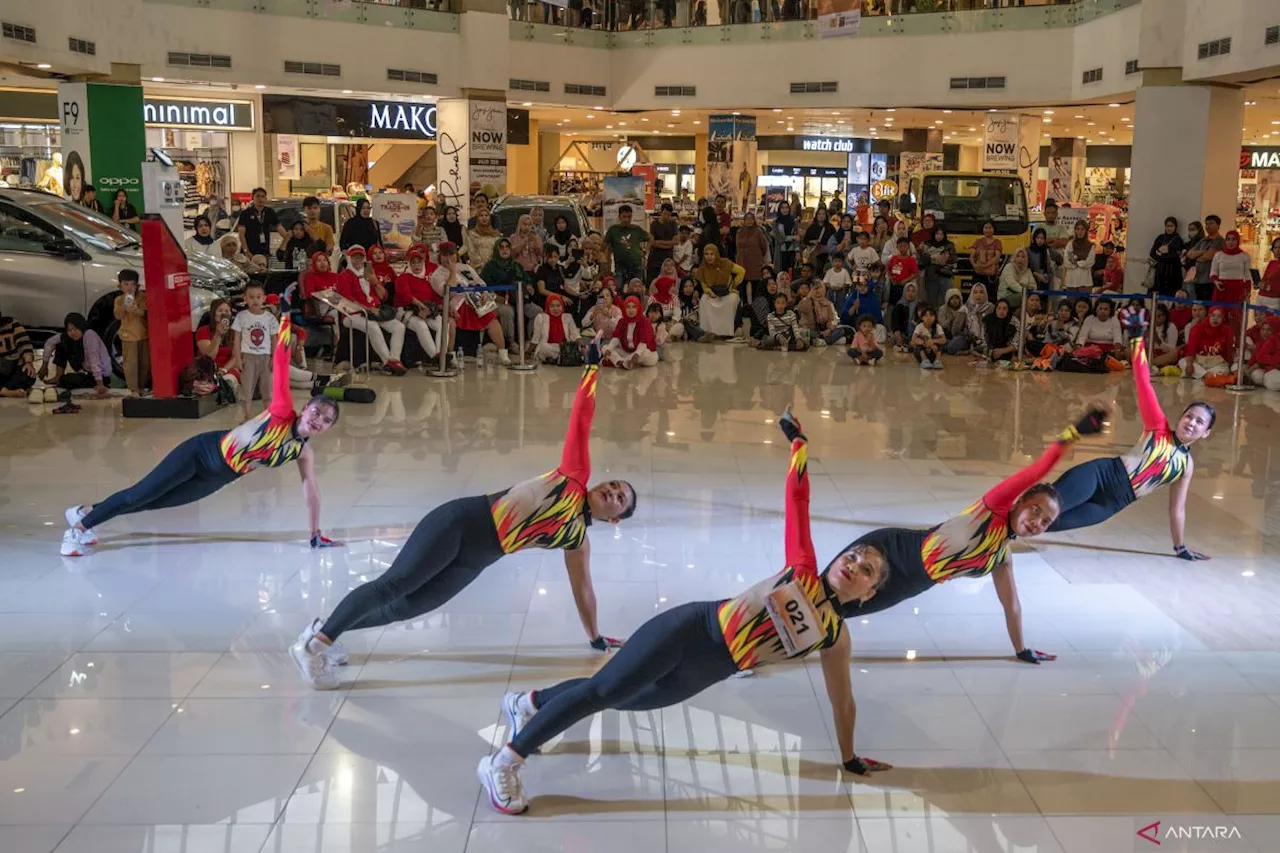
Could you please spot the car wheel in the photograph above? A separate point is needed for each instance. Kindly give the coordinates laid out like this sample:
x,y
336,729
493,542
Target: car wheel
x,y
102,320
112,339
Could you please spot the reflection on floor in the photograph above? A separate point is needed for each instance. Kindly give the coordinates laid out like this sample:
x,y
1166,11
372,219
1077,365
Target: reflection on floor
x,y
147,703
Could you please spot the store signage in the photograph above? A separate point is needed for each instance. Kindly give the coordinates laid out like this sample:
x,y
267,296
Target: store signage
x,y
807,172
1000,143
1260,158
305,116
405,118
828,143
209,115
671,169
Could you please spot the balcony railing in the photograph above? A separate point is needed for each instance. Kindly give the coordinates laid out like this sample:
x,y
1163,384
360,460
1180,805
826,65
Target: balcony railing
x,y
437,15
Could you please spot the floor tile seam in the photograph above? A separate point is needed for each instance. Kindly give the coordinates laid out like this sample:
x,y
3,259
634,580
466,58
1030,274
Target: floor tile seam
x,y
1004,753
35,686
284,807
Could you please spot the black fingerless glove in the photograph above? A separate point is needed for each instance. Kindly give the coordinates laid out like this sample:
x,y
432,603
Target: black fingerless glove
x,y
856,765
790,427
593,353
1090,424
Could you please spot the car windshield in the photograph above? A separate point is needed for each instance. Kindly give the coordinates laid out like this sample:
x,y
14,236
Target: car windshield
x,y
975,199
508,217
89,226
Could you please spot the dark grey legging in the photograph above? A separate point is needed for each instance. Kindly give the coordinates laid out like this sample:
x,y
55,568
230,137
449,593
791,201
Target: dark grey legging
x,y
192,471
448,550
673,656
1092,492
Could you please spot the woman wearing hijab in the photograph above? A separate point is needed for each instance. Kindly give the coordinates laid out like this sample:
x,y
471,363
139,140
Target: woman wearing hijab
x,y
452,227
1166,258
1229,272
753,252
891,245
633,343
1001,330
502,268
815,238
526,245
710,233
784,228
951,313
880,234
561,235
1015,279
203,242
480,238
1040,260
1079,259
363,297
551,328
972,336
382,269
419,312
939,254
904,318
77,358
719,280
761,308
361,229
688,306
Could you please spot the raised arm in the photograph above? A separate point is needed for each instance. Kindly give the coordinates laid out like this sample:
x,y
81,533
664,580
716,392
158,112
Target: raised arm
x,y
281,394
799,545
1153,418
1000,499
575,461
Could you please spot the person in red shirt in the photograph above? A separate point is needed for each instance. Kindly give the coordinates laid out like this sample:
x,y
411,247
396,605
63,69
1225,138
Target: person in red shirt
x,y
924,233
662,289
633,343
1269,287
1264,367
213,339
1211,347
417,302
383,272
363,309
902,269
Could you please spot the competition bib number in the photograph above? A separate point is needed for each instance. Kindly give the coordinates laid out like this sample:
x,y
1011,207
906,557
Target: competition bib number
x,y
794,618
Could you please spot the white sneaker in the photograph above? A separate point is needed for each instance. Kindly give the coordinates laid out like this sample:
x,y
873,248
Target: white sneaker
x,y
72,544
504,357
335,651
513,708
937,364
874,361
502,783
74,515
316,668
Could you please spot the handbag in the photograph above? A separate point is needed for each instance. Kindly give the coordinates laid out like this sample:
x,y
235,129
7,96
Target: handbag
x,y
384,313
570,354
720,290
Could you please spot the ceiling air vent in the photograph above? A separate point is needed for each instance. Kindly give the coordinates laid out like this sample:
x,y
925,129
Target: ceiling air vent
x,y
1132,67
1093,75
529,85
200,60
675,91
312,69
977,82
814,88
88,48
583,89
402,76
17,32
1273,35
1217,47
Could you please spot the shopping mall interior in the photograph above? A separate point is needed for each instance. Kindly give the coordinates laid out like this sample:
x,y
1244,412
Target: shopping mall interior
x,y
736,423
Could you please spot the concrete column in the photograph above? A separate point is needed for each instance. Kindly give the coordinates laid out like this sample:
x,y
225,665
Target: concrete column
x,y
1186,160
926,140
700,182
550,146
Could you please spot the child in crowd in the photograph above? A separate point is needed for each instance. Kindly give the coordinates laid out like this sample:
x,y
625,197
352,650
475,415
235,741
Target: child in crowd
x,y
1180,312
1112,275
784,330
662,291
633,343
603,317
551,328
837,279
1133,319
255,329
1264,367
865,348
661,328
927,340
683,252
1211,347
863,255
1164,339
131,311
902,268
1269,287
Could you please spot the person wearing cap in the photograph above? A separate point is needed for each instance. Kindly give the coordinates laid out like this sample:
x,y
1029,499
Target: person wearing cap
x,y
418,304
363,309
470,315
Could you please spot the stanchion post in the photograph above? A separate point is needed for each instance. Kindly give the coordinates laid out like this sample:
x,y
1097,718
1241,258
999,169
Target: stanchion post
x,y
1151,321
1244,328
443,370
1022,326
519,364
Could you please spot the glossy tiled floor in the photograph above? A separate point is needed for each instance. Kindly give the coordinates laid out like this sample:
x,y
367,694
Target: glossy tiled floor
x,y
147,703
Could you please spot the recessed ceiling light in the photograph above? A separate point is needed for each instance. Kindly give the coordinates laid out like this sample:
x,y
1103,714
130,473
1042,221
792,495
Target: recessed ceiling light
x,y
44,66
527,104
1079,137
157,79
644,119
259,86
622,124
992,110
972,129
1093,124
1124,118
1079,116
777,109
835,112
675,112
1047,121
597,109
735,112
697,122
1113,105
780,121
608,127
790,128
591,115
937,121
671,125
346,91
1048,112
948,112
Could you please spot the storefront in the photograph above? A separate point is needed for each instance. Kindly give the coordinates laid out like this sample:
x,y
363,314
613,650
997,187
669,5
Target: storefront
x,y
1258,201
674,178
30,140
338,147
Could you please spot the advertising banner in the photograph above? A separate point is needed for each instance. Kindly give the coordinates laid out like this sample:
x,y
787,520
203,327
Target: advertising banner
x,y
108,157
77,164
396,215
731,160
914,163
453,157
620,190
487,124
857,179
839,18
649,172
288,164
1066,179
1000,143
1029,159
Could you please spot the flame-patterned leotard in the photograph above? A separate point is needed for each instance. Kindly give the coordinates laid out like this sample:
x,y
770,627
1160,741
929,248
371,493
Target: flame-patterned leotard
x,y
1098,489
269,440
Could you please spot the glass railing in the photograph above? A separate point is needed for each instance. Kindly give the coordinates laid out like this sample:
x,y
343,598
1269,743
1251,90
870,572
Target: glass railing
x,y
642,23
437,15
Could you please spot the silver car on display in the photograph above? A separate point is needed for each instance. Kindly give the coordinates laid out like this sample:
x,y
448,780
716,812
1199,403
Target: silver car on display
x,y
57,257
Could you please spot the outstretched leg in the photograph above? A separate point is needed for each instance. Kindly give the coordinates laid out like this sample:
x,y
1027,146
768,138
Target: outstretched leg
x,y
182,477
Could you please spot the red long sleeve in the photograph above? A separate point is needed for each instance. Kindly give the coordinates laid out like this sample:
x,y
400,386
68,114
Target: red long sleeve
x,y
799,553
1000,499
1267,355
575,461
1153,419
281,393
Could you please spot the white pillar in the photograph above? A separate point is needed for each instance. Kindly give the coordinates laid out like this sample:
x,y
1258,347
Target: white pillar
x,y
1186,161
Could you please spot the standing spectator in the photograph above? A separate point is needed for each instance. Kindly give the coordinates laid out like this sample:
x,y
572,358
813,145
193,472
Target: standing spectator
x,y
753,252
841,243
452,227
478,203
131,311
938,255
202,242
1040,260
784,229
319,230
361,230
561,235
1229,272
902,270
1100,266
685,253
428,231
17,359
1058,232
719,279
90,199
863,255
880,235
818,315
925,232
709,233
663,232
1166,258
1079,260
255,329
123,212
1015,279
257,223
481,238
1269,289
815,238
1202,254
891,245
723,218
986,256
77,358
627,243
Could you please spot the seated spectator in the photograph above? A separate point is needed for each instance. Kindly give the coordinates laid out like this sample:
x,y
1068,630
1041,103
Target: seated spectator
x,y
1264,366
661,328
633,343
603,317
503,269
1133,319
214,337
1102,330
1082,310
904,318
1001,330
296,252
1211,347
77,358
471,312
662,290
417,304
1269,287
784,330
817,315
951,314
383,272
1164,339
1199,314
864,300
1180,312
927,340
1112,276
1062,328
689,311
17,359
229,246
551,329
972,333
1015,279
865,348
366,309
761,308
1036,334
